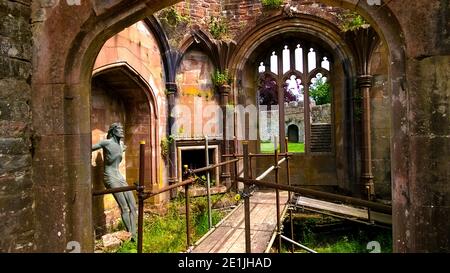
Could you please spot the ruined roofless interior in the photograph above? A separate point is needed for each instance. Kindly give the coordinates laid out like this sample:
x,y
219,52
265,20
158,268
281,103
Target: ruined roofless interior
x,y
341,103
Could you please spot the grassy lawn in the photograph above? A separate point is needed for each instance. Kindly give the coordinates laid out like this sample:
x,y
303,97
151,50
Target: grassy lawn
x,y
267,148
346,238
167,233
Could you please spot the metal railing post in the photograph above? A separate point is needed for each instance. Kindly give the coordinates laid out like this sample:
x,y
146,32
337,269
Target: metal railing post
x,y
248,247
277,192
235,150
141,189
208,183
188,218
288,178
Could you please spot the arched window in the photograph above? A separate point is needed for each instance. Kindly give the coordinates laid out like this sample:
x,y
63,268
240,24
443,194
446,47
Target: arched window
x,y
303,112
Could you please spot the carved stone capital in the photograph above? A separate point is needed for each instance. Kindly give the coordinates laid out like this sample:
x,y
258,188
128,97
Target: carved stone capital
x,y
365,81
171,87
224,89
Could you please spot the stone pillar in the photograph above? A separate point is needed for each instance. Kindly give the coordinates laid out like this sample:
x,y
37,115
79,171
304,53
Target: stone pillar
x,y
365,84
171,88
224,92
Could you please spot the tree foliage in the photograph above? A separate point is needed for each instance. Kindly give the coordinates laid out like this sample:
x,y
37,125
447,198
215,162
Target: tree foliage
x,y
320,91
268,91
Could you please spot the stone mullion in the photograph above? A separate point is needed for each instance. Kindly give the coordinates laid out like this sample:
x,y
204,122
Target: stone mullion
x,y
281,122
365,85
171,90
306,108
224,93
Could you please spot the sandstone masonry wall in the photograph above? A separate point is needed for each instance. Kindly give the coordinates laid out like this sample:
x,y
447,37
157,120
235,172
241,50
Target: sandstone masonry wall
x,y
16,196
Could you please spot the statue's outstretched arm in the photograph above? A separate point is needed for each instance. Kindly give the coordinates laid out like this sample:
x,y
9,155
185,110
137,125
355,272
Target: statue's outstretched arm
x,y
98,146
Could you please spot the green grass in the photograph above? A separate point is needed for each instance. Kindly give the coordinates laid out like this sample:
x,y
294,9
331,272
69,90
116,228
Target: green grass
x,y
354,238
267,147
167,234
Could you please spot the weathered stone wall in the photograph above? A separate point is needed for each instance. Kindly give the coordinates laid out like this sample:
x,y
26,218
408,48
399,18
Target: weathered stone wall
x,y
16,195
197,98
243,15
381,124
422,198
238,16
201,10
294,114
321,113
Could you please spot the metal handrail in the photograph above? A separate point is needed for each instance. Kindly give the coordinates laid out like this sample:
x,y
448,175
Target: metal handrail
x,y
297,244
264,174
321,195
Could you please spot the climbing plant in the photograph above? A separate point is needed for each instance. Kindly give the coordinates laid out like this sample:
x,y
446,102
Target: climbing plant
x,y
165,144
221,78
272,4
173,17
351,21
218,28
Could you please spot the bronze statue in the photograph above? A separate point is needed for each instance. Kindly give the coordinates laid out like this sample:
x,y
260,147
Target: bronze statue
x,y
113,149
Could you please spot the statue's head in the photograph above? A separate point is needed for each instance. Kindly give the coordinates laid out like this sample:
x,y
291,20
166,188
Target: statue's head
x,y
116,129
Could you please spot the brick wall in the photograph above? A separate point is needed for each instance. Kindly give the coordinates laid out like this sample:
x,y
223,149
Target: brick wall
x,y
16,197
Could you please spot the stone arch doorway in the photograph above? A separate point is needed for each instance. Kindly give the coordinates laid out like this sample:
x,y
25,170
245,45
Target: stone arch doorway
x,y
119,94
63,81
387,31
292,53
293,132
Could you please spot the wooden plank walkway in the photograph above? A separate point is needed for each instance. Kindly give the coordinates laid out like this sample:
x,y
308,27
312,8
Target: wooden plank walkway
x,y
343,210
229,235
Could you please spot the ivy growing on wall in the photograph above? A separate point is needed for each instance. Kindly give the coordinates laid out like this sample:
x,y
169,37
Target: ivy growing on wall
x,y
351,21
173,17
221,78
272,4
165,144
218,28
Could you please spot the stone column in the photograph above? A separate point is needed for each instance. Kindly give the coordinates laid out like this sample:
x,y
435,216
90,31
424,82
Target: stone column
x,y
171,88
224,92
365,85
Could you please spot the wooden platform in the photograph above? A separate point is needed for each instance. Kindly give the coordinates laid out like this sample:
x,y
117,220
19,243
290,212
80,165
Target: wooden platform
x,y
343,211
229,235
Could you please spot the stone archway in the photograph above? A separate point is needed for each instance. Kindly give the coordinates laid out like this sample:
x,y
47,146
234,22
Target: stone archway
x,y
390,32
62,112
315,167
61,77
119,94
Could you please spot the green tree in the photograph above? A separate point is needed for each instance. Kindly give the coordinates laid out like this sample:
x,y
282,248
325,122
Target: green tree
x,y
320,91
